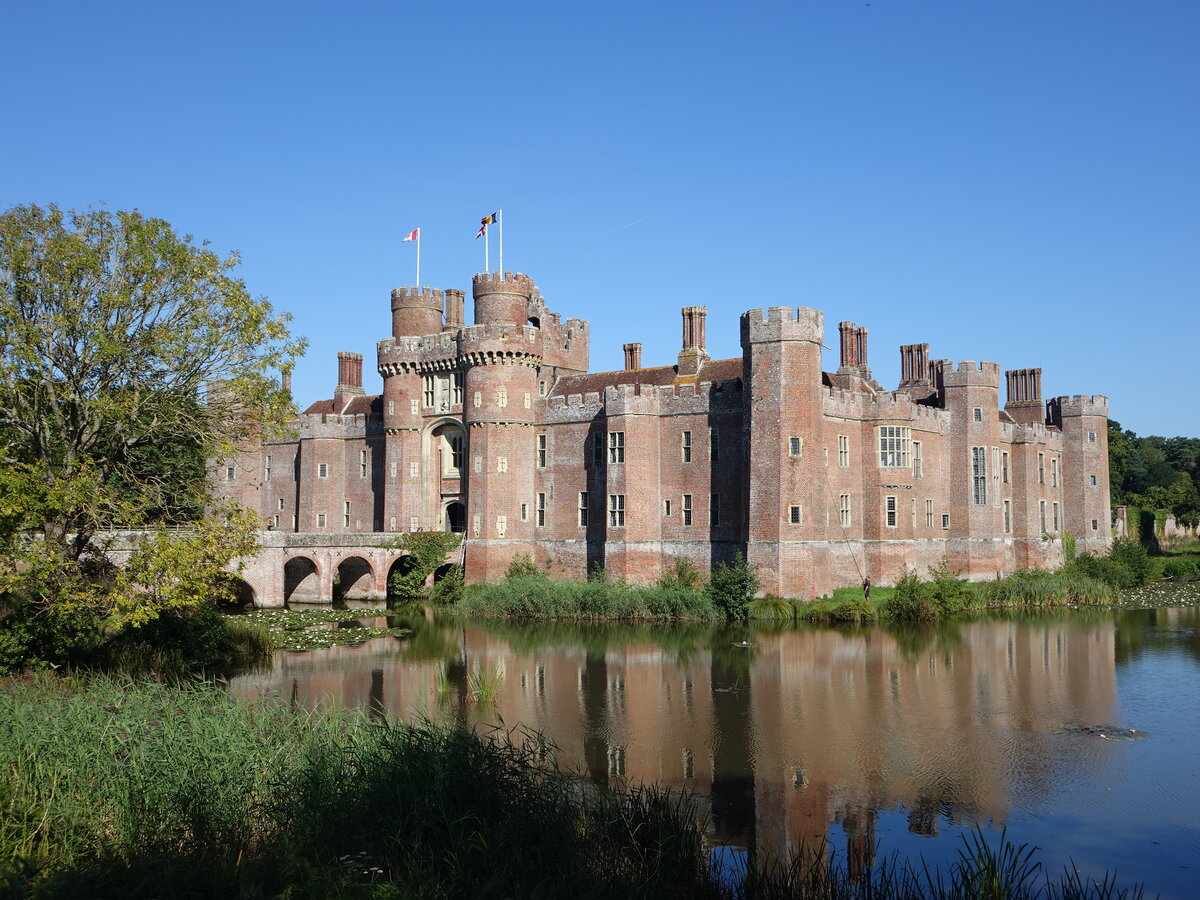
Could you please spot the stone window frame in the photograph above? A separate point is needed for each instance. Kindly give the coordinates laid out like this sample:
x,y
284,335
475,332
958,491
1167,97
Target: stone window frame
x,y
795,446
890,516
929,514
667,507
685,446
845,511
685,510
795,514
616,510
917,460
616,447
583,509
714,509
322,470
542,450
230,473
598,449
979,487
1008,517
345,513
895,446
321,519
714,444
843,451
945,521
362,463
977,414
540,510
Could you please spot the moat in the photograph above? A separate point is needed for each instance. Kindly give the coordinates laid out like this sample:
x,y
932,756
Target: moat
x,y
899,738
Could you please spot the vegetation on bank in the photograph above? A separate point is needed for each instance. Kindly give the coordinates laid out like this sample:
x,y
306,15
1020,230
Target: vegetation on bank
x,y
116,788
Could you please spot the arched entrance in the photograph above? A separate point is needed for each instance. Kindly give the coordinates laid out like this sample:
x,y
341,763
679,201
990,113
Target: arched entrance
x,y
234,592
456,516
302,581
397,587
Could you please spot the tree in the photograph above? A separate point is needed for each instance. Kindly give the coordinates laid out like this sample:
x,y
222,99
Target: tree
x,y
128,355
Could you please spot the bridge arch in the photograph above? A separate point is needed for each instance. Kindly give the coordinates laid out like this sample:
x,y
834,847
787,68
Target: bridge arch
x,y
302,581
356,578
236,591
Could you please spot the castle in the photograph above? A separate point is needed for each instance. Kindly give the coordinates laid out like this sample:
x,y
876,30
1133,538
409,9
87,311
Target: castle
x,y
498,431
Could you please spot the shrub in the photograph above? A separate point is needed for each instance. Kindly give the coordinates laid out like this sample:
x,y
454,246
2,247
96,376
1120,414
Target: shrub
x,y
910,602
1132,555
427,550
449,589
522,566
682,575
946,591
1181,569
731,587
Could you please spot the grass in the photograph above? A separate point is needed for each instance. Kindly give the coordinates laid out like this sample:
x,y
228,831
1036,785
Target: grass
x,y
537,597
116,788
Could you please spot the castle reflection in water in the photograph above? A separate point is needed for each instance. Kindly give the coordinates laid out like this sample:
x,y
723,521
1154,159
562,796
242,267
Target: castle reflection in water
x,y
801,732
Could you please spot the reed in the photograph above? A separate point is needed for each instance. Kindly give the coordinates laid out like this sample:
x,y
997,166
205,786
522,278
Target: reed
x,y
537,597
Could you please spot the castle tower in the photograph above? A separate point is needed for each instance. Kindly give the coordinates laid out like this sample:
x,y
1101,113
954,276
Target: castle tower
x,y
501,355
1085,488
416,311
781,349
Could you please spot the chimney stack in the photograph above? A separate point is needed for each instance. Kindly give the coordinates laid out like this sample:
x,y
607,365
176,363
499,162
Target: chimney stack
x,y
349,379
285,381
455,310
633,356
1024,395
693,355
854,351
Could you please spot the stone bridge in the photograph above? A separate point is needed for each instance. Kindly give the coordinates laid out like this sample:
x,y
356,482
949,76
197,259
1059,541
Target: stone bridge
x,y
303,568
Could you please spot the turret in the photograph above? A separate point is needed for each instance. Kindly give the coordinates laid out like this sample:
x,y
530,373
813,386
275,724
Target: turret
x,y
416,311
502,298
1085,490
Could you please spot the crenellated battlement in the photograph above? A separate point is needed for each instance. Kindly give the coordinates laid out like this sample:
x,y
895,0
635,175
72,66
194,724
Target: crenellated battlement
x,y
972,374
1076,405
418,296
782,323
503,283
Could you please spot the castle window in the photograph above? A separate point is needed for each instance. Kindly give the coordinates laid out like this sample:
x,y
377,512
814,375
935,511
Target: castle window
x,y
1055,505
687,509
346,514
685,446
894,446
945,520
362,463
275,524
429,387
229,473
1041,468
541,510
1007,516
456,395
598,449
541,451
524,512
714,509
977,414
795,446
794,515
616,447
541,389
1091,437
1095,524
616,510
1004,467
714,444
844,510
295,521
583,509
667,507
281,503
1092,480
916,456
928,513
979,475
267,469
1042,514
1054,472
890,511
322,470
320,520
843,450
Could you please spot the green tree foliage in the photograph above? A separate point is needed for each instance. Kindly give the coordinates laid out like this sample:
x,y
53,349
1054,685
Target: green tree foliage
x,y
128,356
1157,474
426,551
732,586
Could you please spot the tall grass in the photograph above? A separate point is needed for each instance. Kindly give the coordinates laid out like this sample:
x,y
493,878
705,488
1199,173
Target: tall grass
x,y
115,788
537,597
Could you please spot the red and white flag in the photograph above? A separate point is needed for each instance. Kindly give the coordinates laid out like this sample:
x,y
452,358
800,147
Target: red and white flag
x,y
412,235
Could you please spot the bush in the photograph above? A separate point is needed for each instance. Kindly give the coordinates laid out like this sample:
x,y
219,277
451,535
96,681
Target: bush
x,y
1134,556
682,575
731,587
1181,569
522,566
449,589
946,591
911,601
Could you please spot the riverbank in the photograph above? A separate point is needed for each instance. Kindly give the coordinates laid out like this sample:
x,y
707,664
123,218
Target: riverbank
x,y
117,788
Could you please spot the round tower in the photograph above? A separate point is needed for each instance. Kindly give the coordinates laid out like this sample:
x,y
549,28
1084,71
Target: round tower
x,y
416,311
502,298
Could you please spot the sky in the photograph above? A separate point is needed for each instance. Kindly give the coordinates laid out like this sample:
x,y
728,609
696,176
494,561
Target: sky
x,y
1011,181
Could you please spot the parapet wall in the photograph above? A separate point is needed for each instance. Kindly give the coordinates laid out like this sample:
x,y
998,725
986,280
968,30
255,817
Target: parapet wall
x,y
1077,405
972,374
783,323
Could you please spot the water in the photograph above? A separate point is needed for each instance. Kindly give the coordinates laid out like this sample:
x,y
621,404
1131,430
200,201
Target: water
x,y
896,739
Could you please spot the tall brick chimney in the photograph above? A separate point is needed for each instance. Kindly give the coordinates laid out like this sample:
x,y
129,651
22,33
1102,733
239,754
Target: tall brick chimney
x,y
455,310
854,351
285,381
693,354
633,356
349,379
1024,395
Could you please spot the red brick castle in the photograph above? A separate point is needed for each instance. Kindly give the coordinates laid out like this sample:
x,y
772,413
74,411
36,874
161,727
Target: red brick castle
x,y
497,430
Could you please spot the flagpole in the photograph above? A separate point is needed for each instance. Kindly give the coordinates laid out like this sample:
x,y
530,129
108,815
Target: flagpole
x,y
486,270
500,216
418,259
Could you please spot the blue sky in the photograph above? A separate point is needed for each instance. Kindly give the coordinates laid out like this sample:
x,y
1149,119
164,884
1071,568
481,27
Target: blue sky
x,y
1008,181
